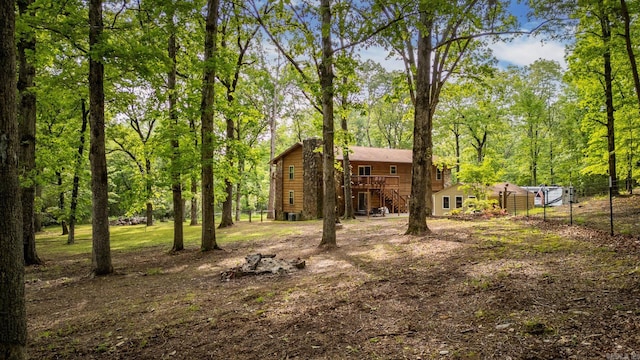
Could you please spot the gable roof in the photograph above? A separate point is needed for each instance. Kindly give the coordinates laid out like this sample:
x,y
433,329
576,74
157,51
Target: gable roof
x,y
361,153
286,152
364,154
496,189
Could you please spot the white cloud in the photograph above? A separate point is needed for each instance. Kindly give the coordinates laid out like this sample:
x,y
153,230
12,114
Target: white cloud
x,y
526,50
522,51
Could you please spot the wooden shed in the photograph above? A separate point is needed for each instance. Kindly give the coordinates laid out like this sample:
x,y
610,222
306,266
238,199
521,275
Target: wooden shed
x,y
517,199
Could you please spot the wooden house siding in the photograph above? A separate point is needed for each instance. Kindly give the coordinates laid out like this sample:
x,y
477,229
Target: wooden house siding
x,y
378,187
400,181
518,199
451,192
294,158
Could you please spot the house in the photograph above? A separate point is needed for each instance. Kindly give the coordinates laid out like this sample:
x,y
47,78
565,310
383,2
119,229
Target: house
x,y
380,178
507,196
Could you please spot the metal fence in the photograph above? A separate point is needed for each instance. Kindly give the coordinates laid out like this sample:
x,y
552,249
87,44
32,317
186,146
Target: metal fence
x,y
602,209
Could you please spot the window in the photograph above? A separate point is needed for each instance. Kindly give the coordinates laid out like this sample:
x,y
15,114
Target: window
x,y
445,202
291,169
438,174
364,170
290,197
393,169
458,202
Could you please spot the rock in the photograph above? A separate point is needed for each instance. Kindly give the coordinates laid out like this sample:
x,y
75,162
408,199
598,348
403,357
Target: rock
x,y
503,326
257,264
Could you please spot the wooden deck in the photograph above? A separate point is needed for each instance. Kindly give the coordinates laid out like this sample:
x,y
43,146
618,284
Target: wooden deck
x,y
375,182
387,191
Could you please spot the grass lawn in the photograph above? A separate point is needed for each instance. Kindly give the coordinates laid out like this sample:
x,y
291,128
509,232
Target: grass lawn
x,y
131,237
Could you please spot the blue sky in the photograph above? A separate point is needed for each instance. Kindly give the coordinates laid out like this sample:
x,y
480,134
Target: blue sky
x,y
521,51
527,49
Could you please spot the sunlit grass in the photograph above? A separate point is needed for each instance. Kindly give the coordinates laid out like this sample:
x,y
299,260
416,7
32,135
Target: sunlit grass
x,y
131,237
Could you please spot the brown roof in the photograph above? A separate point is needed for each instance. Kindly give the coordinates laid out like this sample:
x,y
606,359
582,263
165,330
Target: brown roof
x,y
361,153
495,189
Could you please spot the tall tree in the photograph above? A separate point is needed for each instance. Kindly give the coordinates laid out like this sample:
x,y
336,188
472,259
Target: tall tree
x,y
624,12
603,15
176,183
591,64
317,87
27,121
346,65
272,112
73,209
447,43
233,32
207,109
139,146
13,320
101,255
328,155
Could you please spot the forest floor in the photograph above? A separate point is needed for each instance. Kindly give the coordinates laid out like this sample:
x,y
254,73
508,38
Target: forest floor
x,y
507,288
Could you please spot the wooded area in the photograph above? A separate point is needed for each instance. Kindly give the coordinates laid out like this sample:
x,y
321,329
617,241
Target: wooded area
x,y
190,100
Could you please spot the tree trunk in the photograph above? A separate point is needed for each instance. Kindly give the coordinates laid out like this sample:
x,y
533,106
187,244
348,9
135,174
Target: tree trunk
x,y
238,193
76,179
149,213
636,80
63,222
271,204
629,45
551,171
328,156
608,95
194,177
349,212
194,200
37,219
456,133
149,190
207,111
272,148
101,254
227,205
13,320
176,184
27,134
422,146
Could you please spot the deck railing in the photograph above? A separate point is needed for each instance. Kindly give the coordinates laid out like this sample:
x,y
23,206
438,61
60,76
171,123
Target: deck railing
x,y
375,182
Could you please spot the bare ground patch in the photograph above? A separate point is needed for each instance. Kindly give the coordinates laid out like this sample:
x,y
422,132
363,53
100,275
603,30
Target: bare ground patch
x,y
471,290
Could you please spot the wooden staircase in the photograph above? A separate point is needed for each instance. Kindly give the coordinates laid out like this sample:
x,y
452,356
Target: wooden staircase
x,y
395,202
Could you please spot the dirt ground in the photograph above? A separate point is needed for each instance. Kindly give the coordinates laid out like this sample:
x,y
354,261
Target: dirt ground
x,y
482,289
